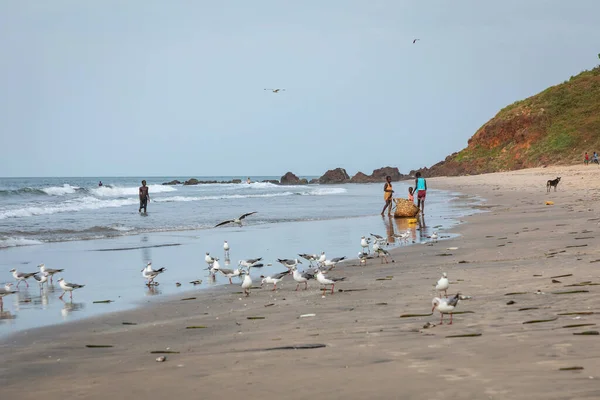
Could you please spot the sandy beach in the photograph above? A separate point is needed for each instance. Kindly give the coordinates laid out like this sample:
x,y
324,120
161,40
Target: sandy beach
x,y
521,251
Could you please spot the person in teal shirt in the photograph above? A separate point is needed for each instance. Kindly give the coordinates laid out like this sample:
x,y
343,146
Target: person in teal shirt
x,y
421,185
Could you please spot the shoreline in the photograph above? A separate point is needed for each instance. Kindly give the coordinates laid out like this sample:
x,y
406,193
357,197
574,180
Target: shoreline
x,y
516,247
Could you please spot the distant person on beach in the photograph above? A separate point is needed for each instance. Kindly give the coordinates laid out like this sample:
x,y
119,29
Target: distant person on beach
x,y
100,183
144,196
595,158
248,180
387,195
411,195
421,186
586,158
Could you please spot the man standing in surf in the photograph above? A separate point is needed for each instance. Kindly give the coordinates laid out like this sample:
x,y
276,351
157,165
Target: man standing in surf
x,y
144,196
421,188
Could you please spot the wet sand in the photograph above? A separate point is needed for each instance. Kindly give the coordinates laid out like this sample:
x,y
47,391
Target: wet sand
x,y
505,255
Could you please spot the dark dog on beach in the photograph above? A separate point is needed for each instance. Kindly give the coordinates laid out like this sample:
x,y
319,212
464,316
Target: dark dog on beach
x,y
553,182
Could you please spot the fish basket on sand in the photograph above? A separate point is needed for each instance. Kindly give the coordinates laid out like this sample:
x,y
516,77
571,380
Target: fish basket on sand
x,y
405,209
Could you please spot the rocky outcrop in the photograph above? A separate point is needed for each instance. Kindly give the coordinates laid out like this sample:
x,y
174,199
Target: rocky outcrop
x,y
361,178
313,181
380,174
289,179
338,175
192,181
173,182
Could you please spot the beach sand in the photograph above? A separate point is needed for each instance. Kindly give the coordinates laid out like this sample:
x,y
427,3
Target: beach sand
x,y
370,351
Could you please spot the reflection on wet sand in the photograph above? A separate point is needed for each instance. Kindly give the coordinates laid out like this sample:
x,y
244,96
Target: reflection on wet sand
x,y
70,307
152,290
7,315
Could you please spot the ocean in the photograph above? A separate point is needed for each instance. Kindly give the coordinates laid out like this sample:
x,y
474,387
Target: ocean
x,y
97,235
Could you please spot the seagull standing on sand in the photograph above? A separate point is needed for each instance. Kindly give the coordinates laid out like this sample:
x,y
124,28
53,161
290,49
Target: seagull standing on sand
x,y
363,258
364,243
322,258
5,291
445,306
309,257
275,279
301,277
49,271
443,284
384,253
230,273
331,263
22,276
434,237
237,221
68,287
226,249
328,281
150,274
247,282
252,262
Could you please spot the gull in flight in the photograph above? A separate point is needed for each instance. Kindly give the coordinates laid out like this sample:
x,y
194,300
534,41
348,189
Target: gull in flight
x,y
49,271
5,291
226,249
415,41
237,221
68,287
301,277
275,279
276,90
230,273
328,281
150,274
443,284
289,263
22,276
445,306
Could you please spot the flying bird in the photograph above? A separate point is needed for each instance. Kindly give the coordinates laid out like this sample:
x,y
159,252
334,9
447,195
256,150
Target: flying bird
x,y
237,221
415,41
276,90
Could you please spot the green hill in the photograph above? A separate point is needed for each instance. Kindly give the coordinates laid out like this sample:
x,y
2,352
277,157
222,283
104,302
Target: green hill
x,y
556,126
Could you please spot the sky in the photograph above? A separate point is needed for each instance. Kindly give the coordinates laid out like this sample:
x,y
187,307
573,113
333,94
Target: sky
x,y
176,88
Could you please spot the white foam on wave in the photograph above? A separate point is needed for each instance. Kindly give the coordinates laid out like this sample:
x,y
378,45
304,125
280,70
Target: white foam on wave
x,y
116,191
6,241
326,191
60,190
221,197
84,203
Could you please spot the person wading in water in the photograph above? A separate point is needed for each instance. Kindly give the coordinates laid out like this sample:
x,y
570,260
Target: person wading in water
x,y
144,196
387,195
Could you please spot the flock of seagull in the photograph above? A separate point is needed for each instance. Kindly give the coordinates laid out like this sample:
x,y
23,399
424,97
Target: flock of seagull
x,y
320,265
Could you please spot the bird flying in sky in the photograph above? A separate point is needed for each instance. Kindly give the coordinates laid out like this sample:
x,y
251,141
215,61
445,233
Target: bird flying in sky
x,y
276,90
415,41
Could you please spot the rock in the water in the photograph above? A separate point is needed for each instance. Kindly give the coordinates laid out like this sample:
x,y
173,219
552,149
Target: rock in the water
x,y
304,181
381,173
290,179
192,181
236,181
313,181
361,178
338,175
173,182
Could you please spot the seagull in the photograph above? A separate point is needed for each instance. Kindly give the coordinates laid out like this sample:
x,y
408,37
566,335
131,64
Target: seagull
x,y
235,220
328,281
209,260
301,277
376,248
322,258
289,263
230,273
5,291
309,257
22,276
68,287
41,279
196,282
252,262
331,263
415,41
276,90
363,258
443,284
364,243
445,306
383,253
275,279
150,274
247,282
226,249
434,236
49,271
377,237
215,266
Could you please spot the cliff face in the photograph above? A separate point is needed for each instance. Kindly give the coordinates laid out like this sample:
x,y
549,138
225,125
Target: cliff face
x,y
556,126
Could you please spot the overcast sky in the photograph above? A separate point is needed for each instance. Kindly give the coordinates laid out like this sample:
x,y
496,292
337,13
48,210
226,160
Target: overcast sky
x,y
146,88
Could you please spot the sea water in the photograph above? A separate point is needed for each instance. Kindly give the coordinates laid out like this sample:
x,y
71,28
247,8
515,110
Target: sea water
x,y
101,240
